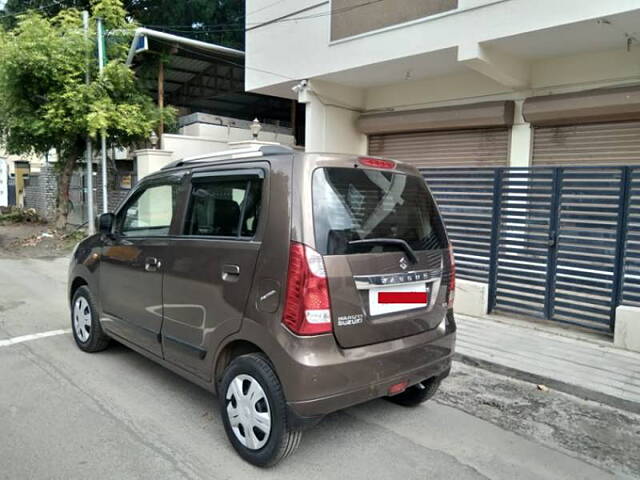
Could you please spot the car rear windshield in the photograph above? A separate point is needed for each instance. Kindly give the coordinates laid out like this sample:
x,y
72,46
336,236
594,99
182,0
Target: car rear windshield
x,y
361,204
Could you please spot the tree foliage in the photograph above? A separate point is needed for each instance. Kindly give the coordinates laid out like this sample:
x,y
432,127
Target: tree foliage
x,y
217,21
45,102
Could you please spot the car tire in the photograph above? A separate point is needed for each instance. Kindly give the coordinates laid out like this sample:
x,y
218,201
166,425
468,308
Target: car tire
x,y
85,323
416,394
249,394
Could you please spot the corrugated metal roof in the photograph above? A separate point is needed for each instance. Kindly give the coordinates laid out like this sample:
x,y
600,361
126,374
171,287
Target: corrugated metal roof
x,y
207,78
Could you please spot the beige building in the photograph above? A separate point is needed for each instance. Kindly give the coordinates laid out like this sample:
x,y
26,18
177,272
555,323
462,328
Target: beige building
x,y
486,83
35,161
456,82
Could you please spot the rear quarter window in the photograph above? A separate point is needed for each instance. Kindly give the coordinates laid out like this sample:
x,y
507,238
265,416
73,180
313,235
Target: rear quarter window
x,y
358,204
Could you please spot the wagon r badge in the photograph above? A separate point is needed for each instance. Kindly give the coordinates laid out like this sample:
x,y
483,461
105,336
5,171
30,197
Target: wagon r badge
x,y
403,263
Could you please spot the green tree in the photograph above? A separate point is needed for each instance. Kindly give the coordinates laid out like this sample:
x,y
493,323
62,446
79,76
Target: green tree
x,y
217,21
45,102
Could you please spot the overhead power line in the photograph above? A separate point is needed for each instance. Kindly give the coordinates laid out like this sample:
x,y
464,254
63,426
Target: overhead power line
x,y
231,26
223,27
318,15
265,7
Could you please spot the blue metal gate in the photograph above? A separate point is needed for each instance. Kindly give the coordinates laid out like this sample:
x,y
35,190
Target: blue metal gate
x,y
558,243
12,191
629,294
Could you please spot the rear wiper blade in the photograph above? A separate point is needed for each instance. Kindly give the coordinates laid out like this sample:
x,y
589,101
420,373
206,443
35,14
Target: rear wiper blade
x,y
389,241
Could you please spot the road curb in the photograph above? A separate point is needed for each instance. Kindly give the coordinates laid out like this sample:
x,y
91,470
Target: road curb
x,y
574,390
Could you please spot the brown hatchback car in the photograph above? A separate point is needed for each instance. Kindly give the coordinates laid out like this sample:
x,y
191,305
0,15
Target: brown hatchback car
x,y
291,284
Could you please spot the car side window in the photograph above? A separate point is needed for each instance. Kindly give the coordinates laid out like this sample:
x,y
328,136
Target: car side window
x,y
150,213
225,206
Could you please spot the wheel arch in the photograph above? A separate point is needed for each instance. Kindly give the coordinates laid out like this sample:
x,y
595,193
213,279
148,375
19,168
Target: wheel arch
x,y
229,351
77,282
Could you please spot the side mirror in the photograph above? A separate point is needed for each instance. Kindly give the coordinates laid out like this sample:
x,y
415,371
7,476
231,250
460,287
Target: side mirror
x,y
105,223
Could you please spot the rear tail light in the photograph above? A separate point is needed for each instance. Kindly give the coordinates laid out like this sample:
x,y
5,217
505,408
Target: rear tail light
x,y
452,277
377,163
307,310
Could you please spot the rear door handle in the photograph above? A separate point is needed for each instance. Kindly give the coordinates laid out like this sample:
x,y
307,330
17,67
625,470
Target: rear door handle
x,y
230,273
152,264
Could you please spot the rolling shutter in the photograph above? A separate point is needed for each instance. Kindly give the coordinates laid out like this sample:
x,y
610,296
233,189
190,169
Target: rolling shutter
x,y
449,148
587,144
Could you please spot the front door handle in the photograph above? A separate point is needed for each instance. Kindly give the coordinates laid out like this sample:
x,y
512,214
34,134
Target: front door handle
x,y
152,264
230,273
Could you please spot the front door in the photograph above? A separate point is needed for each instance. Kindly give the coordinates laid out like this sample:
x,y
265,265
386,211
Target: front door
x,y
209,272
132,263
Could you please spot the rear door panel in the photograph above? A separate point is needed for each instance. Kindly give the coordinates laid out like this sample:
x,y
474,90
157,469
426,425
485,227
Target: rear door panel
x,y
368,223
210,270
200,307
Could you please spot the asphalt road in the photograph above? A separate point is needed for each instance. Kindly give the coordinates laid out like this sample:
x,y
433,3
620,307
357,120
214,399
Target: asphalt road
x,y
65,414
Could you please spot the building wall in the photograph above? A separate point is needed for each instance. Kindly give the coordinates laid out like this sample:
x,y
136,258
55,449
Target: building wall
x,y
333,128
450,58
279,52
203,133
184,146
201,139
331,114
351,17
548,76
41,191
35,161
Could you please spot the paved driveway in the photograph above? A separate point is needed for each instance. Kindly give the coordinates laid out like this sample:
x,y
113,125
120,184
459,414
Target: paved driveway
x,y
65,414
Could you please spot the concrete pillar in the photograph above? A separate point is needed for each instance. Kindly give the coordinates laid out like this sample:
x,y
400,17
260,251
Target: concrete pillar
x,y
521,139
627,330
150,161
331,114
472,298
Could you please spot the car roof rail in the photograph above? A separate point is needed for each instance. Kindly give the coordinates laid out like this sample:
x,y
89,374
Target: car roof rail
x,y
232,154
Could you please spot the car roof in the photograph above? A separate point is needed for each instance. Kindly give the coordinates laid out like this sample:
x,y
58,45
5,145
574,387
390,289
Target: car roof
x,y
263,151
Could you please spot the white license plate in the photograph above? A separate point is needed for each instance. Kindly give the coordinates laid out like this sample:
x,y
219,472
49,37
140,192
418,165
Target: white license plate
x,y
398,298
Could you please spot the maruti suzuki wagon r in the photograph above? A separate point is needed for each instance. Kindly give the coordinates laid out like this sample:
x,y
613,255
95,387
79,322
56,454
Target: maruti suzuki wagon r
x,y
291,284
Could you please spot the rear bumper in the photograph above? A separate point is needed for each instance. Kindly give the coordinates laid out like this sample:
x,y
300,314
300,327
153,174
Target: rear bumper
x,y
356,375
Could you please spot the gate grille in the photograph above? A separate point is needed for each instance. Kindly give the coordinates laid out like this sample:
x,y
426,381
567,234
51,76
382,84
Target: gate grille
x,y
631,286
560,243
524,225
466,203
590,207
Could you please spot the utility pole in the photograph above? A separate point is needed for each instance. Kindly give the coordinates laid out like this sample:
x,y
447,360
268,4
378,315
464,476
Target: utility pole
x,y
103,136
161,97
89,153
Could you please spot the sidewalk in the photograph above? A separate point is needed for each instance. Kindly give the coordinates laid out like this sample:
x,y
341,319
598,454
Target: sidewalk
x,y
588,368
